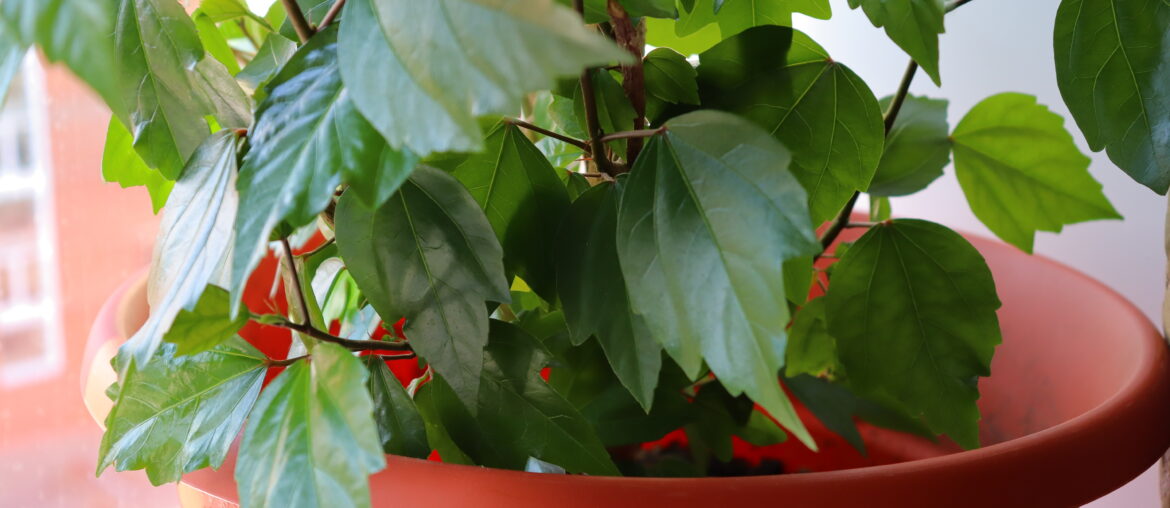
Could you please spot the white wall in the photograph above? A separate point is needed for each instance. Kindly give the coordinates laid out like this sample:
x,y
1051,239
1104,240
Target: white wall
x,y
994,46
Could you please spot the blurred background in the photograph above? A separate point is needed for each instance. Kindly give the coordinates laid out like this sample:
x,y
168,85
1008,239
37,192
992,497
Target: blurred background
x,y
68,239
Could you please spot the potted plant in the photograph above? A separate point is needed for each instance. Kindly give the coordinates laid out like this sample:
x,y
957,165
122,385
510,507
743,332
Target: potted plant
x,y
508,234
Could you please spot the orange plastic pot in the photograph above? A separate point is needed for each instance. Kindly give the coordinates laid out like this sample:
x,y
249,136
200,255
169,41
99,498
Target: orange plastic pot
x,y
1077,405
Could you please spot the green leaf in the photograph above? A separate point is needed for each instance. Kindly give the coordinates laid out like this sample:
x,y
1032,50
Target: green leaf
x,y
272,55
670,77
177,414
811,350
798,279
312,440
595,10
308,138
832,404
914,25
12,54
518,414
593,293
158,49
583,376
191,247
736,16
879,209
819,109
399,424
718,416
523,199
912,307
231,107
1111,67
449,61
75,32
205,326
429,255
213,40
918,147
663,34
314,11
714,187
226,10
122,165
1021,171
761,430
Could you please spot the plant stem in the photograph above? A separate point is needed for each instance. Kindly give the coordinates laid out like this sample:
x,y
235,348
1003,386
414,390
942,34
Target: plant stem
x,y
634,134
331,15
597,148
323,246
284,363
296,279
349,343
555,135
861,224
297,19
631,37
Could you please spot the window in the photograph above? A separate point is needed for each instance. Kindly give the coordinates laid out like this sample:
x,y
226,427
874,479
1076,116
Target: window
x,y
30,335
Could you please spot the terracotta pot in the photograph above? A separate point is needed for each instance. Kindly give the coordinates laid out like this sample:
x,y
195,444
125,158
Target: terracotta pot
x,y
1077,405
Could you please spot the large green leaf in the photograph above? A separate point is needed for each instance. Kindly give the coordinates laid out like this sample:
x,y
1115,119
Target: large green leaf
x,y
735,16
192,245
912,307
712,197
448,61
206,325
400,427
158,50
1022,172
918,147
312,440
670,79
76,32
524,201
914,25
1111,67
584,377
122,165
518,414
661,33
308,138
181,413
429,255
819,109
271,56
593,293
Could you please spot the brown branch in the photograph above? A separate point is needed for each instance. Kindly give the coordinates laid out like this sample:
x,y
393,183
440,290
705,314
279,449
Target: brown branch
x,y
589,100
297,19
296,279
284,363
632,135
631,37
331,15
356,344
555,135
891,113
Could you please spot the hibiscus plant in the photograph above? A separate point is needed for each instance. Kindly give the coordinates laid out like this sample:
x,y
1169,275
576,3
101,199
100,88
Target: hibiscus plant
x,y
529,233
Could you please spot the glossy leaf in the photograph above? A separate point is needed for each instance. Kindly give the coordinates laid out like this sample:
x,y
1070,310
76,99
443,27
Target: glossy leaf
x,y
518,414
593,293
158,48
811,350
449,61
312,440
670,77
400,426
206,325
74,32
918,147
428,254
819,109
192,246
1021,171
523,199
912,308
122,165
1111,67
181,413
914,25
714,187
308,138
272,55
